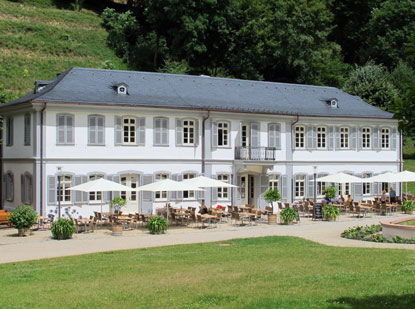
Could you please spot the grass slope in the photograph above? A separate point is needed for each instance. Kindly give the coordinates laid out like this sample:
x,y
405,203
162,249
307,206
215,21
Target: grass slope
x,y
37,41
269,272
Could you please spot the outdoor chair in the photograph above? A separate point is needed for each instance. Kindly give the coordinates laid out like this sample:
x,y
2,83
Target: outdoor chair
x,y
287,205
385,209
280,207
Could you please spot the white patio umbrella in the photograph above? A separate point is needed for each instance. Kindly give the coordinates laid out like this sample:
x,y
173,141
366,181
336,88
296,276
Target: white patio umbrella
x,y
406,176
386,177
100,185
168,185
342,178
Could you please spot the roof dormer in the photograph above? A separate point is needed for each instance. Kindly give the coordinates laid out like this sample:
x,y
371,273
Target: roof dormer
x,y
332,102
122,88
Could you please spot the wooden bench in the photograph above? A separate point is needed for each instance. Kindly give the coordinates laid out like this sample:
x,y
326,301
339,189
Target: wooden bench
x,y
4,217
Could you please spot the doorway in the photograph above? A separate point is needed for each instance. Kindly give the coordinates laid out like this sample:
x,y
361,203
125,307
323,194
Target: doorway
x,y
248,189
131,197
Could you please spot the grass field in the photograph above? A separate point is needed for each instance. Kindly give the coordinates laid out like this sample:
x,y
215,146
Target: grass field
x,y
37,41
271,272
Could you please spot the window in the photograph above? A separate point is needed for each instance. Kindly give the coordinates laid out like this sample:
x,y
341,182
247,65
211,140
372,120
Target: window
x,y
321,186
188,194
274,135
9,131
96,130
161,132
27,130
9,187
122,88
223,134
161,195
188,132
97,195
129,130
300,186
299,137
344,189
27,189
366,132
223,191
64,194
274,182
366,185
65,125
385,138
344,138
321,137
244,136
385,186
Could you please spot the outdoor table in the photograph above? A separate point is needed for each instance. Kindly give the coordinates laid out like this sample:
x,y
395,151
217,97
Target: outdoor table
x,y
209,217
244,207
85,222
124,221
248,215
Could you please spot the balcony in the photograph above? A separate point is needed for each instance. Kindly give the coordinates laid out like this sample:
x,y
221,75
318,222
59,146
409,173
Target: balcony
x,y
255,153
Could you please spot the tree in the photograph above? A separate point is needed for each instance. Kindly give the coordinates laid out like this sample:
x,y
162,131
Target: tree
x,y
404,110
372,82
272,195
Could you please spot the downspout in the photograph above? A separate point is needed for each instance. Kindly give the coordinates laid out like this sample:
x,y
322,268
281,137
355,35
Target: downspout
x,y
292,147
41,158
203,142
400,162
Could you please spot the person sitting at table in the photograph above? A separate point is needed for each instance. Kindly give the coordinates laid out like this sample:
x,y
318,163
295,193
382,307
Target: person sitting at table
x,y
392,195
383,197
203,210
349,198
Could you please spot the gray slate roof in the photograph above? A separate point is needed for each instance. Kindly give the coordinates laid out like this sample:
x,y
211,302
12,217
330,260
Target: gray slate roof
x,y
82,85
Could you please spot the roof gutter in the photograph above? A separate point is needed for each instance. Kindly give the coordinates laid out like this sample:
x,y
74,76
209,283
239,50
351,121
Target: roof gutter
x,y
41,157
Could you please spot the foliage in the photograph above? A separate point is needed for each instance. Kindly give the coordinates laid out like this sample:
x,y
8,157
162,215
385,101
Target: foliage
x,y
287,215
23,217
408,207
175,67
63,229
404,111
118,202
331,212
272,195
373,233
157,225
372,82
329,193
403,77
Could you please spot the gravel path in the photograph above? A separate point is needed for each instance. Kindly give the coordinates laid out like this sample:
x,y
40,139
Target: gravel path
x,y
40,245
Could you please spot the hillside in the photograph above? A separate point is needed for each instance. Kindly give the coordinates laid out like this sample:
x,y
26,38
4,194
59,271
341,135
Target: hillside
x,y
37,41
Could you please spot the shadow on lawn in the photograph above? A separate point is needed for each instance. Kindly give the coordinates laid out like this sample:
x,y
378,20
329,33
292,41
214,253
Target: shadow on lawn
x,y
377,301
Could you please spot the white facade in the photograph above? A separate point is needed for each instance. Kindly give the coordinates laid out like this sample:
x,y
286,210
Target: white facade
x,y
253,151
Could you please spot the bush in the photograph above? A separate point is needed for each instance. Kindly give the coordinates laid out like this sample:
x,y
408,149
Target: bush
x,y
330,193
117,203
408,207
63,229
331,212
272,195
24,217
157,225
287,215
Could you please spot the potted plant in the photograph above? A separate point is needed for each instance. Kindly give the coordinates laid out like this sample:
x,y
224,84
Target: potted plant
x,y
408,207
157,225
288,215
272,195
117,203
329,193
23,218
63,229
331,213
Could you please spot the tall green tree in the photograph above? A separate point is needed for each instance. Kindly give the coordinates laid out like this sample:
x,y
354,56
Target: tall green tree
x,y
404,110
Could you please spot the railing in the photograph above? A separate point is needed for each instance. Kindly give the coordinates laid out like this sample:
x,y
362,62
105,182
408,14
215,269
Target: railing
x,y
255,153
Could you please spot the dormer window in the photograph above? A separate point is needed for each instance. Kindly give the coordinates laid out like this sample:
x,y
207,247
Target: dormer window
x,y
333,103
122,89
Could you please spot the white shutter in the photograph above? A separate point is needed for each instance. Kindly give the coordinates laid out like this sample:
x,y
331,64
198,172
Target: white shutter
x,y
393,139
264,188
337,137
92,130
52,190
179,193
214,191
353,138
147,195
165,131
310,186
101,130
78,194
60,133
331,134
359,138
85,195
196,133
173,194
118,130
278,135
358,190
375,139
214,134
284,186
157,131
179,132
69,129
310,138
141,131
255,135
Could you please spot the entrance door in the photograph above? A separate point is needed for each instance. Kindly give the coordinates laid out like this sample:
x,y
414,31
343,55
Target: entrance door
x,y
132,196
248,189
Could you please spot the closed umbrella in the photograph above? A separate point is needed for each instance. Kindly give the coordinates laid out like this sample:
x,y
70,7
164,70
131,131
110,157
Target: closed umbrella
x,y
100,185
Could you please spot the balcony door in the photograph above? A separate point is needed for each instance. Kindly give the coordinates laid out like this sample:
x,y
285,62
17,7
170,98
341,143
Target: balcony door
x,y
132,196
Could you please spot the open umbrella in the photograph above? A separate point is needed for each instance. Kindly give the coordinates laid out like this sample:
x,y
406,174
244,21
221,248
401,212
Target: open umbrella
x,y
101,185
386,177
406,176
168,185
342,178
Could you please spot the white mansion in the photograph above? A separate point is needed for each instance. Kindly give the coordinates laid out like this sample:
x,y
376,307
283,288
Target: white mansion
x,y
137,127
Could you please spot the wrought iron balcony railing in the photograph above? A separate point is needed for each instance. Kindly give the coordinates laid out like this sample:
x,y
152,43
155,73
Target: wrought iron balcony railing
x,y
255,153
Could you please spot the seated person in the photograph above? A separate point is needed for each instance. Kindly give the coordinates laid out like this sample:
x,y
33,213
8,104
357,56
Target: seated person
x,y
349,199
203,210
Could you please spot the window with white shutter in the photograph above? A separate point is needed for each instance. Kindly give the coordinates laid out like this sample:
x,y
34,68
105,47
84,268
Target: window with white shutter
x,y
321,137
366,138
161,131
299,137
274,135
344,138
223,134
65,129
385,142
96,129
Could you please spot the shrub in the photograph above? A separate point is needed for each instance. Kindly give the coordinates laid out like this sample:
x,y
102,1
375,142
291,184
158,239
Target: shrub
x,y
287,215
117,203
330,193
23,217
272,195
408,207
157,225
331,212
63,229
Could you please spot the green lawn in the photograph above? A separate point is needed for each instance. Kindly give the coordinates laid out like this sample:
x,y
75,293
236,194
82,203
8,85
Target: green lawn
x,y
37,41
268,272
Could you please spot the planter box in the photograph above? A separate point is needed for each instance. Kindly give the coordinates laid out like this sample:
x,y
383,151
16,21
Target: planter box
x,y
272,218
117,230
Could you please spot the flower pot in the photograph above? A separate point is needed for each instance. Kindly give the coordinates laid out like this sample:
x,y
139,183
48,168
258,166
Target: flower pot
x,y
272,218
117,230
288,222
22,232
331,218
408,212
